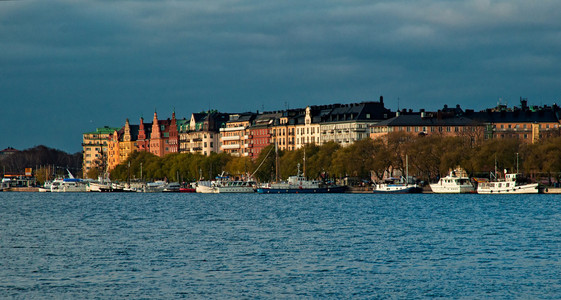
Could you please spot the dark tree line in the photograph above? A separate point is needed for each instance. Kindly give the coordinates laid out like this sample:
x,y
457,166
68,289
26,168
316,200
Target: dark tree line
x,y
40,156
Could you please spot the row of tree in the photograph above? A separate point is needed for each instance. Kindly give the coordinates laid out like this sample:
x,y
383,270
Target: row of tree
x,y
426,157
47,162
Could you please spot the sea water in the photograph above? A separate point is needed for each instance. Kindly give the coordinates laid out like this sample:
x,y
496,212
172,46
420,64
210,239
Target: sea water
x,y
201,246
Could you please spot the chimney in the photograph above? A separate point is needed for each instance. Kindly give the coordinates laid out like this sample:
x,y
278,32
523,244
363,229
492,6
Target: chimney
x,y
382,99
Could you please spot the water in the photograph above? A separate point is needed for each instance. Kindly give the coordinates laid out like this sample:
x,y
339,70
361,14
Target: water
x,y
279,246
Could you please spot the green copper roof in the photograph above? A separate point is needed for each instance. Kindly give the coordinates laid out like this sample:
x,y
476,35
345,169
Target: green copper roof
x,y
104,130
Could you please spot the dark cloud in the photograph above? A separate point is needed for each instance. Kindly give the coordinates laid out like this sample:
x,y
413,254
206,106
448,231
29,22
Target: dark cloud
x,y
68,67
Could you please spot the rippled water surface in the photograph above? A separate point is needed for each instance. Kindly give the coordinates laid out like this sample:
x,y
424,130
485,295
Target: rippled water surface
x,y
279,246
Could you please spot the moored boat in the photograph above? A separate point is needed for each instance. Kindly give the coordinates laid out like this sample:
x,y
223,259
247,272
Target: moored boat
x,y
509,185
456,182
396,186
298,184
172,187
155,187
236,186
402,185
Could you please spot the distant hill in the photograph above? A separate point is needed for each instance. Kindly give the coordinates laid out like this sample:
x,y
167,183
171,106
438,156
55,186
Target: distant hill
x,y
41,156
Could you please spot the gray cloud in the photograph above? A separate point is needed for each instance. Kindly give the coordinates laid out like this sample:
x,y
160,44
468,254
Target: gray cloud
x,y
68,63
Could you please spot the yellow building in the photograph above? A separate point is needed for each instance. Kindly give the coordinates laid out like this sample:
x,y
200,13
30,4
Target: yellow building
x,y
235,138
94,145
121,145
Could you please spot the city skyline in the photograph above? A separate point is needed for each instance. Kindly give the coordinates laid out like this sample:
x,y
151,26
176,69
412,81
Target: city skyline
x,y
68,68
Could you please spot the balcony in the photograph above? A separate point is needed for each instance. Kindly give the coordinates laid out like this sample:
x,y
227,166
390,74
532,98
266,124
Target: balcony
x,y
230,138
230,147
232,129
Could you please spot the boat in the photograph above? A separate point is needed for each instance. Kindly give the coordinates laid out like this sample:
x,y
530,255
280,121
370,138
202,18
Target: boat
x,y
172,187
155,187
456,182
187,190
511,184
98,186
69,184
5,184
236,186
46,187
299,184
402,185
205,187
64,185
396,186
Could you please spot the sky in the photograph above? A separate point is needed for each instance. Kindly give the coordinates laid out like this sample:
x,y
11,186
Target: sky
x,y
68,67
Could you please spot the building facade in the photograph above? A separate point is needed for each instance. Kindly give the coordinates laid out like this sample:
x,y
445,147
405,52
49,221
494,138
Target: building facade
x,y
235,138
201,134
348,123
94,148
122,144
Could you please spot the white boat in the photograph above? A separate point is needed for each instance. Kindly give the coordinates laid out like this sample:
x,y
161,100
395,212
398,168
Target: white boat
x,y
403,185
155,187
70,184
172,187
508,185
46,187
96,186
205,187
396,186
236,186
5,184
456,182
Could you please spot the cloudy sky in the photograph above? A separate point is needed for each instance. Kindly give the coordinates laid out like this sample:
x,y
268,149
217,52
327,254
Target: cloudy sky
x,y
67,67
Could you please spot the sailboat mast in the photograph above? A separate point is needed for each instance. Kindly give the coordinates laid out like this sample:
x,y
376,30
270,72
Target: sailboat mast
x,y
304,174
406,169
276,161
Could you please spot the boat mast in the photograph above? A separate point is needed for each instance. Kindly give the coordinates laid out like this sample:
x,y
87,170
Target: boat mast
x,y
276,161
406,169
304,174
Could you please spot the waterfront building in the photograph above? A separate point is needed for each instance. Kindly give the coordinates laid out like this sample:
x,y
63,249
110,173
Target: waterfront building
x,y
235,137
94,148
164,137
445,122
260,132
528,124
283,131
308,127
200,134
348,123
144,133
122,144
